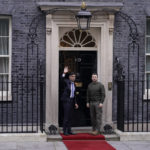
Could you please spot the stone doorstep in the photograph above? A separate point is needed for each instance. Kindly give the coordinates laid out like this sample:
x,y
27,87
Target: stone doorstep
x,y
23,137
112,137
108,137
57,137
133,136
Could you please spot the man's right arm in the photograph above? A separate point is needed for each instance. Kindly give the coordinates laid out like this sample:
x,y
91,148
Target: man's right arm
x,y
62,77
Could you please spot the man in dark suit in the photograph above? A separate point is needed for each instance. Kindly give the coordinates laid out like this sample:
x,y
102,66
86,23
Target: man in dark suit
x,y
68,99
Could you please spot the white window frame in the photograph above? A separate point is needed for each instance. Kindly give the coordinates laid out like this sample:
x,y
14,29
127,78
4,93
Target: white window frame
x,y
6,95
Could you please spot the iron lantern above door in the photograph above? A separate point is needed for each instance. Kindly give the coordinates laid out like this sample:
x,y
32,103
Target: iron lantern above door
x,y
83,18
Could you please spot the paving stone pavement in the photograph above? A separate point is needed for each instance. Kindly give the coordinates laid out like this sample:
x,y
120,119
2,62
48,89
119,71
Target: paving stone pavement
x,y
32,146
130,145
58,145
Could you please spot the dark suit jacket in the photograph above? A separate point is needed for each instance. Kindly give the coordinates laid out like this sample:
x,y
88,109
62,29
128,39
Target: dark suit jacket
x,y
66,89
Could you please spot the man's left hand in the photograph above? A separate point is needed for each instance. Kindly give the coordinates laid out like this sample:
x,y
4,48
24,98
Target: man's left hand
x,y
76,106
100,105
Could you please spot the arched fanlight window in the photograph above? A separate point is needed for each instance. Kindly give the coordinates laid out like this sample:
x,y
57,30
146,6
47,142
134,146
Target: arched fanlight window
x,y
77,38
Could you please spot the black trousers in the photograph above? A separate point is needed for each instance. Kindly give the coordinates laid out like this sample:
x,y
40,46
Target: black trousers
x,y
68,107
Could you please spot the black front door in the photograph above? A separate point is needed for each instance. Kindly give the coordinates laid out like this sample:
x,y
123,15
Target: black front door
x,y
83,63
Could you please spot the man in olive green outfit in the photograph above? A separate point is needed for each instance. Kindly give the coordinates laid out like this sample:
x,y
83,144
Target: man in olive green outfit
x,y
95,99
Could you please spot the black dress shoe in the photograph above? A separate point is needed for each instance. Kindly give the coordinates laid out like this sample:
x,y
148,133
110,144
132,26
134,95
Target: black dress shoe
x,y
65,133
71,133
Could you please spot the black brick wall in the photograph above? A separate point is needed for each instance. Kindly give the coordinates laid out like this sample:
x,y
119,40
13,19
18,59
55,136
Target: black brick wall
x,y
136,10
23,11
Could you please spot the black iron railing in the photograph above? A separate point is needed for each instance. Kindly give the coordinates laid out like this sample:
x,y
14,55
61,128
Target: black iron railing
x,y
133,105
21,104
133,94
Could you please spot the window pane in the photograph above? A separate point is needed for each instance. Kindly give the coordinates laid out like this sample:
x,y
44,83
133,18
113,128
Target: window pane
x,y
4,27
4,85
4,65
148,76
77,38
4,46
147,80
147,63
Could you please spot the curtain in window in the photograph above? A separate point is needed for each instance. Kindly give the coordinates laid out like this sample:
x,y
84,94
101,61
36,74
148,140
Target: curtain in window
x,y
4,46
4,37
4,83
4,65
4,53
4,74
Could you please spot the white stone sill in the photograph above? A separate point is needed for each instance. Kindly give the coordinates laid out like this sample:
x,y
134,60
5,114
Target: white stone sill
x,y
23,137
133,136
5,96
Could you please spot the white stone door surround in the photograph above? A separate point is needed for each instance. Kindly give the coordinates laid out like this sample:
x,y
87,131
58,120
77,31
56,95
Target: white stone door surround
x,y
105,58
103,23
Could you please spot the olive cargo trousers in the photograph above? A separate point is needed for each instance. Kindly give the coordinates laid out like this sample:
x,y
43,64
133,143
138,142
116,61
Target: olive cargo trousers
x,y
96,116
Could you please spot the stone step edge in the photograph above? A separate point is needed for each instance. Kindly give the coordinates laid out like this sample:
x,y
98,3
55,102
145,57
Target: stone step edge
x,y
58,137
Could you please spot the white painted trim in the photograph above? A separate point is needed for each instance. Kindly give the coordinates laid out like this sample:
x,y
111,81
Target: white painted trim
x,y
105,61
75,6
76,48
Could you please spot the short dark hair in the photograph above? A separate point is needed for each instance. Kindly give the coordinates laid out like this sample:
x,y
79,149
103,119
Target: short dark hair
x,y
72,73
94,74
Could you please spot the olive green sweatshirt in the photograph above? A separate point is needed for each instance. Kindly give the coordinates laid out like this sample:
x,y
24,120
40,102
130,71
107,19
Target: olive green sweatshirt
x,y
95,92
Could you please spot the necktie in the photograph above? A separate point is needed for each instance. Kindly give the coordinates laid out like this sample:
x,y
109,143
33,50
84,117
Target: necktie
x,y
72,90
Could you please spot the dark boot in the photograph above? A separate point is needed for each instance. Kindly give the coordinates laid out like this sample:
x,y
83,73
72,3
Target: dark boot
x,y
65,131
70,132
